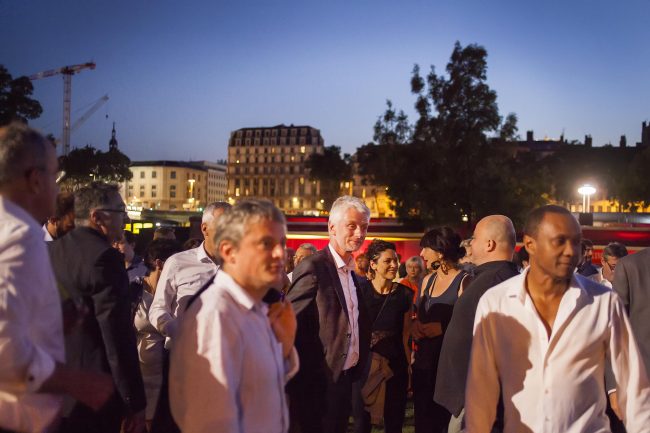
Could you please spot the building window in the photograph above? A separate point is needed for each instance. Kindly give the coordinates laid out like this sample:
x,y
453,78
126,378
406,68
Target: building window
x,y
153,174
153,194
141,193
142,175
172,175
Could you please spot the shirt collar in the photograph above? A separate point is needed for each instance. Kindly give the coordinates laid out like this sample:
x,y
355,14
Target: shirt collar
x,y
518,289
338,260
236,291
201,255
18,212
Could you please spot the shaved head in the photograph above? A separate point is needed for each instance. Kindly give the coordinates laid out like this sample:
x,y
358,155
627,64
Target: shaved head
x,y
494,239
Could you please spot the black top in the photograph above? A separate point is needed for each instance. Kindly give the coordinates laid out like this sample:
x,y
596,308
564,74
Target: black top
x,y
454,358
435,309
388,321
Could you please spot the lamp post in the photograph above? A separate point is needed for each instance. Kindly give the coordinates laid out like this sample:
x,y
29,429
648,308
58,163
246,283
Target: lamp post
x,y
586,191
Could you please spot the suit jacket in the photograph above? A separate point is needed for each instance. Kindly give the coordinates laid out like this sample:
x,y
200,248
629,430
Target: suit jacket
x,y
89,270
322,314
632,283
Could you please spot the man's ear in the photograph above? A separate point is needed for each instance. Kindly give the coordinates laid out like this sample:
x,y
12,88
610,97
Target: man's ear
x,y
491,245
33,179
331,229
204,229
227,251
529,244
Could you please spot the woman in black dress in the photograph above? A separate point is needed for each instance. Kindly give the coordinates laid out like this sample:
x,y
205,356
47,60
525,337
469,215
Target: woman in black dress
x,y
389,306
441,251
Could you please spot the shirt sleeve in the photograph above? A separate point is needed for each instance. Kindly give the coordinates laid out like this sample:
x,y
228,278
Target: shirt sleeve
x,y
482,391
621,284
205,374
160,313
291,365
25,365
633,388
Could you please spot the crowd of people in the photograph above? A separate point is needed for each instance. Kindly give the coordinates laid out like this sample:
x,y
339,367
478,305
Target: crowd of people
x,y
235,332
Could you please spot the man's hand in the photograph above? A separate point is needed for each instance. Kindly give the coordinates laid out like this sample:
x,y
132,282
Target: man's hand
x,y
92,388
134,423
416,329
613,402
283,322
432,329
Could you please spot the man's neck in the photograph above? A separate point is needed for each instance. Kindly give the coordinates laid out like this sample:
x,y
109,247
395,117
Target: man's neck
x,y
51,230
345,255
20,198
543,286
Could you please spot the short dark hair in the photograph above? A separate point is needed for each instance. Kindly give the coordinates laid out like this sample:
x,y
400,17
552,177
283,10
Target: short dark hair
x,y
445,241
163,231
536,216
20,146
521,256
160,249
584,244
93,196
374,250
614,249
64,204
129,237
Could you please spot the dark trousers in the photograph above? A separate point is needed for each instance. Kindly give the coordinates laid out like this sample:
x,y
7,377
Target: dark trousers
x,y
394,404
314,410
83,419
430,417
162,419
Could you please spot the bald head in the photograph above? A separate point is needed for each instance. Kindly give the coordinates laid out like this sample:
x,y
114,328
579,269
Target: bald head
x,y
494,239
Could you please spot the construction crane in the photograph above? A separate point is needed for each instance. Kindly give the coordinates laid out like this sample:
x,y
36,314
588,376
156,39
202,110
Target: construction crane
x,y
101,101
67,72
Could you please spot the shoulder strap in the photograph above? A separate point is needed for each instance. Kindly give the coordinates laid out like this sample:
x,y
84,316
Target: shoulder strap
x,y
200,291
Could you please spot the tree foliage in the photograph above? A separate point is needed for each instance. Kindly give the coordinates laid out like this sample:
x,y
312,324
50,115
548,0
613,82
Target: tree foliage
x,y
15,101
88,164
330,169
458,163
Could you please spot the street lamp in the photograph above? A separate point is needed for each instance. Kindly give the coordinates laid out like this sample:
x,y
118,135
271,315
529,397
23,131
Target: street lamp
x,y
586,191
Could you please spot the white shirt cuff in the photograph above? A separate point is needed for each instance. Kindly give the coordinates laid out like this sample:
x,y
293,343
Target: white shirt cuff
x,y
291,365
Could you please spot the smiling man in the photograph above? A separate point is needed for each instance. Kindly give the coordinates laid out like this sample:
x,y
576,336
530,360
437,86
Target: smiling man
x,y
542,339
234,353
333,338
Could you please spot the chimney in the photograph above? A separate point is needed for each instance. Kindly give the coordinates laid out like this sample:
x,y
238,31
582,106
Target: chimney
x,y
529,136
623,141
588,141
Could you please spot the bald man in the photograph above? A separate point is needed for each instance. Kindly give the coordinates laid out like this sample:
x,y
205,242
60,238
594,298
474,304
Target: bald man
x,y
493,246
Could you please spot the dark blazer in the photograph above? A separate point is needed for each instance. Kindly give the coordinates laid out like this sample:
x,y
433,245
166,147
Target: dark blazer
x,y
632,283
91,271
322,314
457,344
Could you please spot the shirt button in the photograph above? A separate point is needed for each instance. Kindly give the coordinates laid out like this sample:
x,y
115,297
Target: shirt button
x,y
546,391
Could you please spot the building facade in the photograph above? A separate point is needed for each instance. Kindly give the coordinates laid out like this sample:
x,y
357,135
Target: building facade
x,y
167,185
217,183
269,162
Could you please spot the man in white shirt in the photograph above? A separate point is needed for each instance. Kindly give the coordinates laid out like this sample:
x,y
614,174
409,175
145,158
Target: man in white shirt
x,y
333,338
542,340
33,376
63,220
234,353
184,274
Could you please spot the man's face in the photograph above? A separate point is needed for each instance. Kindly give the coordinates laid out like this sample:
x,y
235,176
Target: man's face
x,y
555,250
589,252
301,254
65,224
609,266
348,234
47,187
257,264
125,248
209,231
112,218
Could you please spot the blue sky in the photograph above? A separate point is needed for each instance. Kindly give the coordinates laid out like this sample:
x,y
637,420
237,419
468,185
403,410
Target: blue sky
x,y
182,75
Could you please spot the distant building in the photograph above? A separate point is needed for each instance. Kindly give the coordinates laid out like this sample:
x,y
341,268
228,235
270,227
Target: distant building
x,y
269,162
217,183
167,185
645,135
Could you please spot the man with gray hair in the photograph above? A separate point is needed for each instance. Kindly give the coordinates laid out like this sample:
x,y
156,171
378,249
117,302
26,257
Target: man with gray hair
x,y
182,276
304,250
333,338
92,275
34,376
234,353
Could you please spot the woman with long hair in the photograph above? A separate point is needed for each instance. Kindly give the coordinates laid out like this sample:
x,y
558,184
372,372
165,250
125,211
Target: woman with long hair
x,y
441,252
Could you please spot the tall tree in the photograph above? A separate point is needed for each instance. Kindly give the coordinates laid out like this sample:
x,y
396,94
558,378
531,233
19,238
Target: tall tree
x,y
15,101
459,164
87,164
330,169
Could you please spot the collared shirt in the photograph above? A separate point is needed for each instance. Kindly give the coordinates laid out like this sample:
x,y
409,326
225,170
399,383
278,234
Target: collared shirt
x,y
31,327
182,276
137,269
228,371
344,271
556,383
46,234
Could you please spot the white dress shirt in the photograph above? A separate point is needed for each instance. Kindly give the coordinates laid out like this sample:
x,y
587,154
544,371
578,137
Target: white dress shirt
x,y
556,383
31,327
182,276
344,271
227,369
